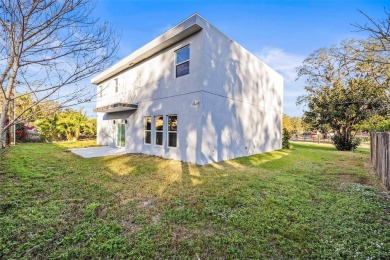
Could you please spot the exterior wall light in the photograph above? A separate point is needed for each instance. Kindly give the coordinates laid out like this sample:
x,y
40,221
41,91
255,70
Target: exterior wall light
x,y
196,102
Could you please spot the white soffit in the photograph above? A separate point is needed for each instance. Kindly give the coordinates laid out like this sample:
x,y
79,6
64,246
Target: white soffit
x,y
169,38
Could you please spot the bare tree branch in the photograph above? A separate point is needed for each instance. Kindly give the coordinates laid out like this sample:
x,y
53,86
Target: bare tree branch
x,y
47,45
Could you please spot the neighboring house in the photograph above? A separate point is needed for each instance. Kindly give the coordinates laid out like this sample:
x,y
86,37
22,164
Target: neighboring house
x,y
192,94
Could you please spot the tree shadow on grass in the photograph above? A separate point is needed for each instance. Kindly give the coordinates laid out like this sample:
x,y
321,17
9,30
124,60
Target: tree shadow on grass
x,y
312,146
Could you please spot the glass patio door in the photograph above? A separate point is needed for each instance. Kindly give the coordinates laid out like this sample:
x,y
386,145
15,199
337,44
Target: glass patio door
x,y
120,135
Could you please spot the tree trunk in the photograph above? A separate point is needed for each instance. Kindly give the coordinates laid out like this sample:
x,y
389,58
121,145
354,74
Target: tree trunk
x,y
3,131
4,112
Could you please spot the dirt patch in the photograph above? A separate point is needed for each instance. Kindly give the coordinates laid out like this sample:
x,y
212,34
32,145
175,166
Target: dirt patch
x,y
30,252
208,231
100,212
4,207
347,178
130,227
145,204
123,200
155,219
179,234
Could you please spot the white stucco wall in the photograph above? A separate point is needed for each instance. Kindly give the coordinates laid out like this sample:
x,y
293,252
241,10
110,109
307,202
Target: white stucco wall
x,y
240,101
155,78
153,85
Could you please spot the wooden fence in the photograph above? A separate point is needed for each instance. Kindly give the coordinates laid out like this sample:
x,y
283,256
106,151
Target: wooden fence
x,y
380,156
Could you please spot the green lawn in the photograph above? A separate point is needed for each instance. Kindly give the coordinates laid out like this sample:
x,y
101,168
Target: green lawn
x,y
308,202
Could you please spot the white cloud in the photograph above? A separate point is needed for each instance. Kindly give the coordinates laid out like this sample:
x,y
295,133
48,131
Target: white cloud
x,y
283,62
286,63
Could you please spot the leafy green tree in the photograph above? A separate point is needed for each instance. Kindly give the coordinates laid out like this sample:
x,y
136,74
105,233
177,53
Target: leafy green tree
x,y
68,124
344,89
90,128
47,128
299,126
341,107
287,122
29,112
294,125
379,34
375,124
351,59
286,139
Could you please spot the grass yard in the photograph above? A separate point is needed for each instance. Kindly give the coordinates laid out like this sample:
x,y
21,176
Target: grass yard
x,y
308,202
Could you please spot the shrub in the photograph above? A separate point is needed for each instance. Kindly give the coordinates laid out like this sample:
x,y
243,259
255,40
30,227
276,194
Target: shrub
x,y
21,132
344,143
286,139
66,125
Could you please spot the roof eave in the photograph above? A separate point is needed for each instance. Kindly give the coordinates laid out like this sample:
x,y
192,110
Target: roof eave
x,y
167,39
116,107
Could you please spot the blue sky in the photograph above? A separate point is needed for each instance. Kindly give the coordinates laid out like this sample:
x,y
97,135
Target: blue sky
x,y
281,33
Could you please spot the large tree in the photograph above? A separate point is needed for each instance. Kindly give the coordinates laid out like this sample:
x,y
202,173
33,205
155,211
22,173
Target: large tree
x,y
374,53
351,59
343,90
379,30
341,107
46,47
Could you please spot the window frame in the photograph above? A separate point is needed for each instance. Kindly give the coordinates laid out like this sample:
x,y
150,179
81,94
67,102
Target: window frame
x,y
116,85
180,63
158,131
168,131
145,129
100,91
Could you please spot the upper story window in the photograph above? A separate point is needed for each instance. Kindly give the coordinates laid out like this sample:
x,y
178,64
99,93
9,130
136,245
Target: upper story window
x,y
116,85
100,91
183,61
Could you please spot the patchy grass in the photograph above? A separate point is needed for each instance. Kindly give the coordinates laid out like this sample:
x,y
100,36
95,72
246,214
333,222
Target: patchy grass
x,y
77,144
308,202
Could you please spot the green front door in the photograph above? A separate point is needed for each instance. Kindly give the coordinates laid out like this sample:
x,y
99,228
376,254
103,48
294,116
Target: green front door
x,y
120,135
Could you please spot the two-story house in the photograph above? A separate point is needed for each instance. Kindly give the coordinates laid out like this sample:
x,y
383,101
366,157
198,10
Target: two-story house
x,y
191,94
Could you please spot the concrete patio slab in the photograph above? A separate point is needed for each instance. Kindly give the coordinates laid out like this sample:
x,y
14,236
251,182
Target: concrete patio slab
x,y
98,151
